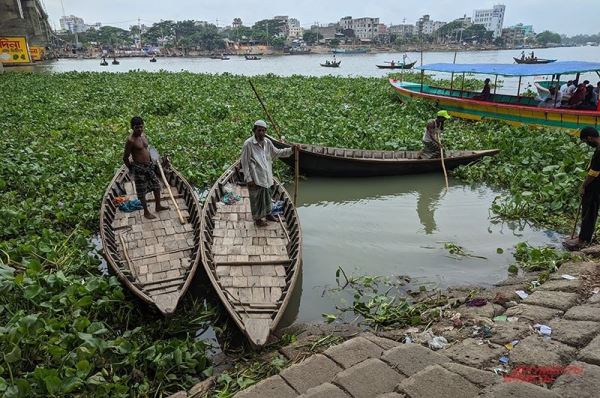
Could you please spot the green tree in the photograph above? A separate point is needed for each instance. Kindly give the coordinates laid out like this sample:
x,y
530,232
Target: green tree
x,y
548,37
334,43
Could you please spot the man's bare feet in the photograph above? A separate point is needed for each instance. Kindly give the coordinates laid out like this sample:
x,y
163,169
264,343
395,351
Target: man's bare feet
x,y
161,208
260,223
149,215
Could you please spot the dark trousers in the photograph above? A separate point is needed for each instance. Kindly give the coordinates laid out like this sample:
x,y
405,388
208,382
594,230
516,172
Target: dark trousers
x,y
590,203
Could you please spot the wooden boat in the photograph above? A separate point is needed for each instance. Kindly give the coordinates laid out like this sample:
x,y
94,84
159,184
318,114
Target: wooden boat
x,y
332,64
513,109
152,59
252,58
397,66
156,259
103,63
115,62
533,61
253,269
221,57
324,161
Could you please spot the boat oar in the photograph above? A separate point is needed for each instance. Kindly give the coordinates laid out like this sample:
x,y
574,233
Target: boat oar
x,y
265,108
443,163
154,153
576,220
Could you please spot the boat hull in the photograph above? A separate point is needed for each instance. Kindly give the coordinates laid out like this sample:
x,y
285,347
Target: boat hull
x,y
534,62
399,66
518,115
338,162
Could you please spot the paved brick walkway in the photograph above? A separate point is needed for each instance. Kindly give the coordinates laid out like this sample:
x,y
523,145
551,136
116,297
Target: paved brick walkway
x,y
370,366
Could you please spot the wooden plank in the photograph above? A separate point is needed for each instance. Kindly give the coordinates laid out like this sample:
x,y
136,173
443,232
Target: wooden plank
x,y
164,281
168,284
242,263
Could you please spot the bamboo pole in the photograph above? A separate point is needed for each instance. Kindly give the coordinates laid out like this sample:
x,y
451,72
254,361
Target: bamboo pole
x,y
576,220
296,173
495,84
443,162
265,109
162,173
129,263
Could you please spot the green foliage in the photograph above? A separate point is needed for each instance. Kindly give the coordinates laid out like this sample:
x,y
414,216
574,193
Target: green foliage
x,y
246,373
531,258
548,37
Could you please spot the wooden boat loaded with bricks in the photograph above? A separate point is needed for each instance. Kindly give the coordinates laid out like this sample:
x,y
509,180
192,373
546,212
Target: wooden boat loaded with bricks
x,y
253,269
316,160
156,259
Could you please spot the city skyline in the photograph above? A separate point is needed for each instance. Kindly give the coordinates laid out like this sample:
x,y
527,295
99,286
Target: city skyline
x,y
541,14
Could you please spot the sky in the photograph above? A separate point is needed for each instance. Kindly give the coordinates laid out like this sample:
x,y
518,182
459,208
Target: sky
x,y
542,14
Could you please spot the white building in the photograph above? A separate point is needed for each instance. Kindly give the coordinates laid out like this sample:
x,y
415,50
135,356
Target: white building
x,y
402,29
492,19
426,26
72,24
295,32
364,28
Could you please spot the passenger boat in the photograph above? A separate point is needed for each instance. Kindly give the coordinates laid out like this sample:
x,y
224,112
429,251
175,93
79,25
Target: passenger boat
x,y
533,61
155,259
316,160
103,63
253,269
513,109
115,62
397,66
252,58
153,59
332,64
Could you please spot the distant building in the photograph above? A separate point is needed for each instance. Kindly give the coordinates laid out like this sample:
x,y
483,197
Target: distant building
x,y
425,26
327,32
527,29
364,28
492,19
295,32
72,24
293,22
402,29
237,23
465,21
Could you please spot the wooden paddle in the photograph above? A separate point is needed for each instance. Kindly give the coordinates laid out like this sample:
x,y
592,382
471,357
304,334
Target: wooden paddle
x,y
154,154
296,150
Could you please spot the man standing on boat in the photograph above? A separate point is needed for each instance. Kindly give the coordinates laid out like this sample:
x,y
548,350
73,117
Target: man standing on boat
x,y
589,191
142,167
431,138
257,165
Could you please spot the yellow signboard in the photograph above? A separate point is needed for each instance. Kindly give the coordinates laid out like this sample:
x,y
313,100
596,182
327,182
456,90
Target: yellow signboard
x,y
13,50
37,53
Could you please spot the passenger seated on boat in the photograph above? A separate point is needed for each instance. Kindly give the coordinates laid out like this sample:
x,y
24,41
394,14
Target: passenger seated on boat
x,y
578,96
589,102
486,93
431,138
567,90
597,93
552,100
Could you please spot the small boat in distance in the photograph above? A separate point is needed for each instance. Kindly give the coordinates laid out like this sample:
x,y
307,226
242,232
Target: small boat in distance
x,y
153,59
331,64
103,62
252,58
156,259
534,61
393,65
253,269
317,160
114,61
221,57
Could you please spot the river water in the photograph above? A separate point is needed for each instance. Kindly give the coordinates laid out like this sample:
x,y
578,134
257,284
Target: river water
x,y
379,226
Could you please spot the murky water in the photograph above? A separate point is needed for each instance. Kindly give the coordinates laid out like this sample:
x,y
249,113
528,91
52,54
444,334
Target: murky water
x,y
308,65
398,226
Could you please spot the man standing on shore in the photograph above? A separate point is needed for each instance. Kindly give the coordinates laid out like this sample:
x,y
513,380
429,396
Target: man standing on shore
x,y
431,138
257,165
589,192
143,168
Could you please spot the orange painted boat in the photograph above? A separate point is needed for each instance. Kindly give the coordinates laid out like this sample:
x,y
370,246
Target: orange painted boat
x,y
513,109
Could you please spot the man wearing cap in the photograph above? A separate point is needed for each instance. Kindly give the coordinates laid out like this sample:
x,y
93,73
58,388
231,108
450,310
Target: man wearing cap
x,y
589,191
257,166
431,137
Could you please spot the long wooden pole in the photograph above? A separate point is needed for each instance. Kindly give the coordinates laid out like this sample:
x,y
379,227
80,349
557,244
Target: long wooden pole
x,y
162,173
296,173
265,108
576,220
443,163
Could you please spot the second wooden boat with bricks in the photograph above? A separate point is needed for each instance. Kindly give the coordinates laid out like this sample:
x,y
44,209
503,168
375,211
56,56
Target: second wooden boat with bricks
x,y
253,269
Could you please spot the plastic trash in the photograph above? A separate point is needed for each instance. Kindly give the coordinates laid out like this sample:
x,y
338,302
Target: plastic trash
x,y
522,294
477,302
568,277
596,290
512,318
500,318
228,187
504,360
543,330
437,343
407,340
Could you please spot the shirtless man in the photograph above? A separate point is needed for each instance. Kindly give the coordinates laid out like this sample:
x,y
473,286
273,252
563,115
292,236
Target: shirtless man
x,y
143,168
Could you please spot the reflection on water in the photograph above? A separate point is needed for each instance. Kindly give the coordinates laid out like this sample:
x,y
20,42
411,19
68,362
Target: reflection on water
x,y
370,226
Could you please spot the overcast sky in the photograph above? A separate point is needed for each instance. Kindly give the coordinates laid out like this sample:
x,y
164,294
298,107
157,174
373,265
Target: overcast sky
x,y
542,14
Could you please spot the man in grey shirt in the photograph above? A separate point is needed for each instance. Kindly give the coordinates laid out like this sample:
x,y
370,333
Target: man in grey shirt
x,y
257,165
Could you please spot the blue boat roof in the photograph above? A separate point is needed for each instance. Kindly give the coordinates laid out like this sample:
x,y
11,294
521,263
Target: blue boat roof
x,y
555,68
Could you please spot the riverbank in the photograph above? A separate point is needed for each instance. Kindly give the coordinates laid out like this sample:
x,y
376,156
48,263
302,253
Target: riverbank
x,y
545,345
